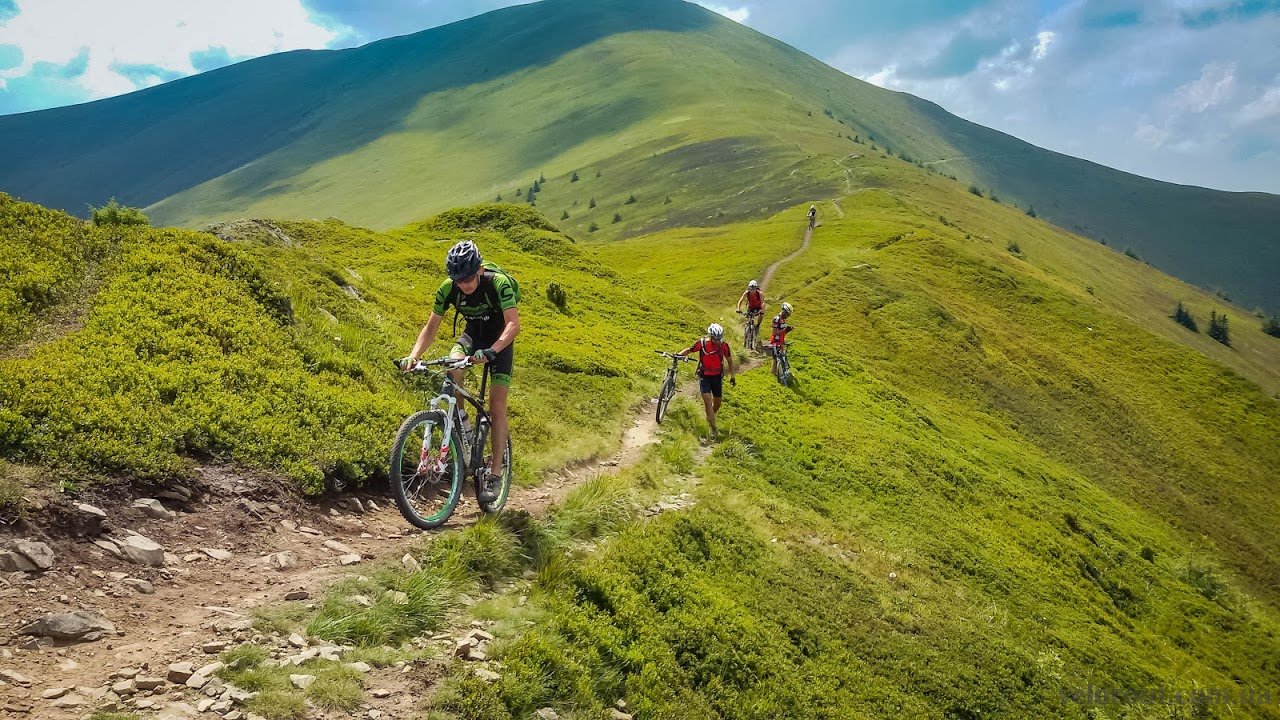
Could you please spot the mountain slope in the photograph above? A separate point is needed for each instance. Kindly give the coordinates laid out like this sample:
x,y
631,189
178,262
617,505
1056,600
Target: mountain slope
x,y
699,118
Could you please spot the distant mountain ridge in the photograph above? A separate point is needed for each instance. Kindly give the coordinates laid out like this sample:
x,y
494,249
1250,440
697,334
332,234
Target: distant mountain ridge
x,y
701,120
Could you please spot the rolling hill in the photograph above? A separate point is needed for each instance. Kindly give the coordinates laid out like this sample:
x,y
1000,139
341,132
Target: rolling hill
x,y
701,121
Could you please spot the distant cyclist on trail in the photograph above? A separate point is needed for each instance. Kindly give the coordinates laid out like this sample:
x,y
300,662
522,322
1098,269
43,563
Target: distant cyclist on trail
x,y
778,336
713,356
754,299
813,216
486,298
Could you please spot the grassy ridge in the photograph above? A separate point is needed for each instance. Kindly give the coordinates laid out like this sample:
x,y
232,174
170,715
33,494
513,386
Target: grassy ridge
x,y
988,489
272,349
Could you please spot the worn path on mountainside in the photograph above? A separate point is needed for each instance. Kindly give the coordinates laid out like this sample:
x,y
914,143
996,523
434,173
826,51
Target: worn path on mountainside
x,y
215,575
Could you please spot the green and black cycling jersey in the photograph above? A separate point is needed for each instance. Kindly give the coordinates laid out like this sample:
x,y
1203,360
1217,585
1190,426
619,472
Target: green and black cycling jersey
x,y
483,308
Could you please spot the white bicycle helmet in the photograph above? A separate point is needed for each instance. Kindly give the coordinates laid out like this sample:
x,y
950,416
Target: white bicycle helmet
x,y
786,308
715,332
753,285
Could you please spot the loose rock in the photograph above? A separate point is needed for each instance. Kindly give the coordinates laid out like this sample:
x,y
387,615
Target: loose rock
x,y
282,560
410,563
360,667
40,554
179,672
213,647
16,562
148,683
78,626
297,595
546,713
302,682
54,693
216,554
351,559
141,550
138,584
153,509
13,677
339,548
487,675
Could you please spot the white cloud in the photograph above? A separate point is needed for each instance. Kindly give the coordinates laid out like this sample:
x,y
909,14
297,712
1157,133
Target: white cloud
x,y
1044,39
738,15
1262,108
1216,84
163,33
1151,135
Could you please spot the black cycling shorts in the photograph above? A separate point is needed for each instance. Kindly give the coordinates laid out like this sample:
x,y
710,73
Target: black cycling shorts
x,y
712,385
476,337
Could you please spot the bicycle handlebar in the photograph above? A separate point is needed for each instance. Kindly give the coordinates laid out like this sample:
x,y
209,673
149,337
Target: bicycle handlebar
x,y
449,363
673,356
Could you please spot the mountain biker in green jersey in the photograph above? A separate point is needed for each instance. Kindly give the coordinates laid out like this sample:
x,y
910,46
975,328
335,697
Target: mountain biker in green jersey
x,y
713,356
487,302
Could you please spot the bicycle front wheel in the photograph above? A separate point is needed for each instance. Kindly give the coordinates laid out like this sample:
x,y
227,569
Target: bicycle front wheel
x,y
664,397
426,486
504,487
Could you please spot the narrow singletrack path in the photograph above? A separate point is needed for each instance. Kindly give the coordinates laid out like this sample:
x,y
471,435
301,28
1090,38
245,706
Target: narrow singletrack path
x,y
769,272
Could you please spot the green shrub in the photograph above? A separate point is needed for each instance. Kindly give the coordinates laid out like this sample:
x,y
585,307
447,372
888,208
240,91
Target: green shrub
x,y
1183,317
113,213
974,189
1218,329
557,296
1271,326
402,606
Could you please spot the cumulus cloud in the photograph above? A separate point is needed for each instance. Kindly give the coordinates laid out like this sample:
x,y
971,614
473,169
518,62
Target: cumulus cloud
x,y
126,46
1265,107
1216,84
739,15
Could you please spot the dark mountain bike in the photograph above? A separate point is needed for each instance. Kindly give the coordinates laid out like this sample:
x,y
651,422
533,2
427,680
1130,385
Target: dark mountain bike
x,y
751,329
668,390
782,369
437,449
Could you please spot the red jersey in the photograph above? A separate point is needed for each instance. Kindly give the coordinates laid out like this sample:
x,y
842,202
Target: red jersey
x,y
711,356
755,300
780,330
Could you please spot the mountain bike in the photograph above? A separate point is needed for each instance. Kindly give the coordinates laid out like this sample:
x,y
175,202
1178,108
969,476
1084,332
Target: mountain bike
x,y
437,449
783,371
668,390
751,329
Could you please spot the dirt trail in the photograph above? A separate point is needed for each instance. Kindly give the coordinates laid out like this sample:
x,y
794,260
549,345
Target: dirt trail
x,y
194,599
768,273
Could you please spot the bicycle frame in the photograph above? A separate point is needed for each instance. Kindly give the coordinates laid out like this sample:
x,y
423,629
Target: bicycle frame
x,y
450,391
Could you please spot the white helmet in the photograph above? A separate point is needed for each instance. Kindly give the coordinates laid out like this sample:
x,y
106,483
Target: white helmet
x,y
753,285
786,308
716,332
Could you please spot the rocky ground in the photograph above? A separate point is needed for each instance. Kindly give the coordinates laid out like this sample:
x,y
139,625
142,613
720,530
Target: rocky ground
x,y
113,602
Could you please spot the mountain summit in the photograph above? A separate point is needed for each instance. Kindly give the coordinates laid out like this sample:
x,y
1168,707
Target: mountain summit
x,y
699,118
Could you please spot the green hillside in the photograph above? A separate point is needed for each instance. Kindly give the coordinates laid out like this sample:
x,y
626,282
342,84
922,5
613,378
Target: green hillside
x,y
989,491
701,120
994,484
272,349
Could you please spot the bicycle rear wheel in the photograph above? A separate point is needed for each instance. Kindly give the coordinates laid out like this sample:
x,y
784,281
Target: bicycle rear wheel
x,y
504,487
425,492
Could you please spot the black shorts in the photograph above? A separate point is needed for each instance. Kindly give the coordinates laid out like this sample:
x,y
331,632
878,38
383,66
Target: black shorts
x,y
478,338
712,385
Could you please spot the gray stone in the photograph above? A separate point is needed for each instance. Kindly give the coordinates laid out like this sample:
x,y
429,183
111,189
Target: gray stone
x,y
88,509
148,683
13,677
54,693
410,563
487,675
179,672
297,595
71,701
80,625
338,547
152,508
351,559
380,693
216,554
546,713
616,714
177,711
204,704
40,554
302,682
359,667
213,647
124,688
138,584
281,560
16,562
110,546
141,550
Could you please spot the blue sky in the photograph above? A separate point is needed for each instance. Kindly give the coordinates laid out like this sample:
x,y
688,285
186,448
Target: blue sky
x,y
1181,90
